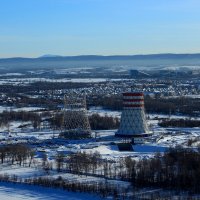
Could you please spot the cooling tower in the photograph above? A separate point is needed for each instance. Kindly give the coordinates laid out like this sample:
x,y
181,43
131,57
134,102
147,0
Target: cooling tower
x,y
133,121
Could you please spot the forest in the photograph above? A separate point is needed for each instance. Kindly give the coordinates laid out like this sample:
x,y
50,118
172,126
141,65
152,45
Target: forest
x,y
181,105
180,123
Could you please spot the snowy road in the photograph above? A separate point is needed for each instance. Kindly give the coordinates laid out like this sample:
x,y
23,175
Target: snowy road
x,y
9,191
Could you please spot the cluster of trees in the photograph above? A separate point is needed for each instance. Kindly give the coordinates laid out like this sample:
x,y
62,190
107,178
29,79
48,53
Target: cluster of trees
x,y
177,169
113,102
41,86
91,164
77,163
16,154
187,106
44,85
98,122
180,123
7,116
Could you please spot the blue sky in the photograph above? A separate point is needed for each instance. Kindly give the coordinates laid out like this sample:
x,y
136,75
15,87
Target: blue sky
x,y
30,28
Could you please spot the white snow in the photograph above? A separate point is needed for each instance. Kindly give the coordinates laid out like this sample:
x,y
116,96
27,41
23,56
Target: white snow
x,y
105,141
20,171
12,74
9,191
22,81
31,108
103,112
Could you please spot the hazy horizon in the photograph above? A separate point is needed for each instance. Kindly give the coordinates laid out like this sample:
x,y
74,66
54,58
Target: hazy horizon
x,y
109,55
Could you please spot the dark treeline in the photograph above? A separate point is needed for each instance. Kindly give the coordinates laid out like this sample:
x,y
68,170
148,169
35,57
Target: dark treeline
x,y
45,102
16,154
89,163
41,85
180,123
7,116
97,122
183,105
177,169
187,106
113,102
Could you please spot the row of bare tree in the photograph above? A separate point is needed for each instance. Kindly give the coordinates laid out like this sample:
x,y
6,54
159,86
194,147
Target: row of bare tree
x,y
16,154
180,123
177,169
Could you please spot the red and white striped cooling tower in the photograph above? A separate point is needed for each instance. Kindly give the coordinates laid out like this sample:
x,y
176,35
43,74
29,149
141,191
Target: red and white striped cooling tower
x,y
133,121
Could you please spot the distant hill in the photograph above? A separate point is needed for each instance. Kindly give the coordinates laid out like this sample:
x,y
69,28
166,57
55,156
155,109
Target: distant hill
x,y
152,61
112,57
49,56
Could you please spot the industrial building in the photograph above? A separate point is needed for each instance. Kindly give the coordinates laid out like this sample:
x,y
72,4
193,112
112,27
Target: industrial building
x,y
133,123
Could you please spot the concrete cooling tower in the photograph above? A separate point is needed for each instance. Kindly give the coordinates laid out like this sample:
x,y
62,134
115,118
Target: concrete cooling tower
x,y
133,121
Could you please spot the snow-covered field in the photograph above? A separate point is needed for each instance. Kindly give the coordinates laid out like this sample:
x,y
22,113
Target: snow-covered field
x,y
27,109
105,144
24,81
104,112
162,137
9,191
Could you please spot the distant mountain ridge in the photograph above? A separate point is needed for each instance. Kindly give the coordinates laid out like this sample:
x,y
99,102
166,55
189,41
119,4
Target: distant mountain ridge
x,y
110,57
49,56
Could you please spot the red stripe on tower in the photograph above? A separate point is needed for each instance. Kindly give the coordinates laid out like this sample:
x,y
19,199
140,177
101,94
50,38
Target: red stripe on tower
x,y
133,106
133,100
133,94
